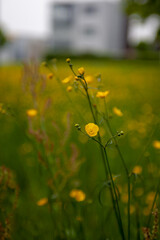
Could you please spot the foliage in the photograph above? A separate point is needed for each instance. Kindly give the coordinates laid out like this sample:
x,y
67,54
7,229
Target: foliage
x,y
63,189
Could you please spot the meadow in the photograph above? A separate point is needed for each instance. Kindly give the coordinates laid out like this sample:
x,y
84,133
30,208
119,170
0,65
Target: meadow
x,y
55,180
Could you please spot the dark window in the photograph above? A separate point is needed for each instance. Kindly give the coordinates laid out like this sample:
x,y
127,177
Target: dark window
x,y
63,15
90,9
89,31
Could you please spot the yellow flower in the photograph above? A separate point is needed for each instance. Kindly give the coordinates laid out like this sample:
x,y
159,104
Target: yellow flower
x,y
67,79
2,110
91,129
68,60
156,144
42,201
69,88
124,197
139,192
32,112
132,209
89,79
150,197
137,169
78,195
102,94
118,112
81,70
146,211
50,76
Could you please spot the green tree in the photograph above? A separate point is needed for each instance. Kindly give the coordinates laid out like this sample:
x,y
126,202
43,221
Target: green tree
x,y
3,39
144,8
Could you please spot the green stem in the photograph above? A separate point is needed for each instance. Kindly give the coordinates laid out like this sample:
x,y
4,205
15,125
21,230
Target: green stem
x,y
115,194
153,204
124,165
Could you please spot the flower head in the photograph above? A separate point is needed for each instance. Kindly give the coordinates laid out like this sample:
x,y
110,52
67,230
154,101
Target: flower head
x,y
69,88
68,60
42,201
156,144
50,76
31,112
81,70
118,112
67,79
78,195
102,94
137,169
91,129
89,78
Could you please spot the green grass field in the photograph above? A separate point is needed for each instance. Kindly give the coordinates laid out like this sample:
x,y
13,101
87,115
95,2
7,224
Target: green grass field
x,y
46,157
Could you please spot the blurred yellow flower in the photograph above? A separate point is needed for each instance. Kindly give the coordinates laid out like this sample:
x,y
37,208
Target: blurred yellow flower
x,y
118,112
67,79
69,88
78,218
102,94
50,76
139,192
146,211
68,60
81,70
42,202
150,197
137,169
32,112
2,110
132,209
78,195
156,144
89,78
124,197
76,78
91,129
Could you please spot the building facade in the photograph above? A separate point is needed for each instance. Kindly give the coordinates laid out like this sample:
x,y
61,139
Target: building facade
x,y
88,27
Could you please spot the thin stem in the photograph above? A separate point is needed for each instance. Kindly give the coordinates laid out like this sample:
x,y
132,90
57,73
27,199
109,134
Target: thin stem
x,y
103,158
123,162
129,200
153,204
115,194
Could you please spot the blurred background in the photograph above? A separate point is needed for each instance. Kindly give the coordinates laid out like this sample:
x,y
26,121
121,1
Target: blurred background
x,y
102,28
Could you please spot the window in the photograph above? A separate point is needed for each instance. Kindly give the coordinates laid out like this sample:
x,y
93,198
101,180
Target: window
x,y
90,31
63,15
90,9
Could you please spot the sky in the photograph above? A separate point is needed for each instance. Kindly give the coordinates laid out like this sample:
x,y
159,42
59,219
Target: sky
x,y
31,18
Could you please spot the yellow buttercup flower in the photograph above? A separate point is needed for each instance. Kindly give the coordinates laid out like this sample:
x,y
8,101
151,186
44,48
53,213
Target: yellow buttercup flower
x,y
91,129
102,94
50,76
150,197
42,202
118,112
124,197
69,88
32,112
137,169
67,79
156,144
2,110
78,195
68,60
89,78
81,70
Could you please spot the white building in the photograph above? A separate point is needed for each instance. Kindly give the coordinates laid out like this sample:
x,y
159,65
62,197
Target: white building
x,y
96,27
